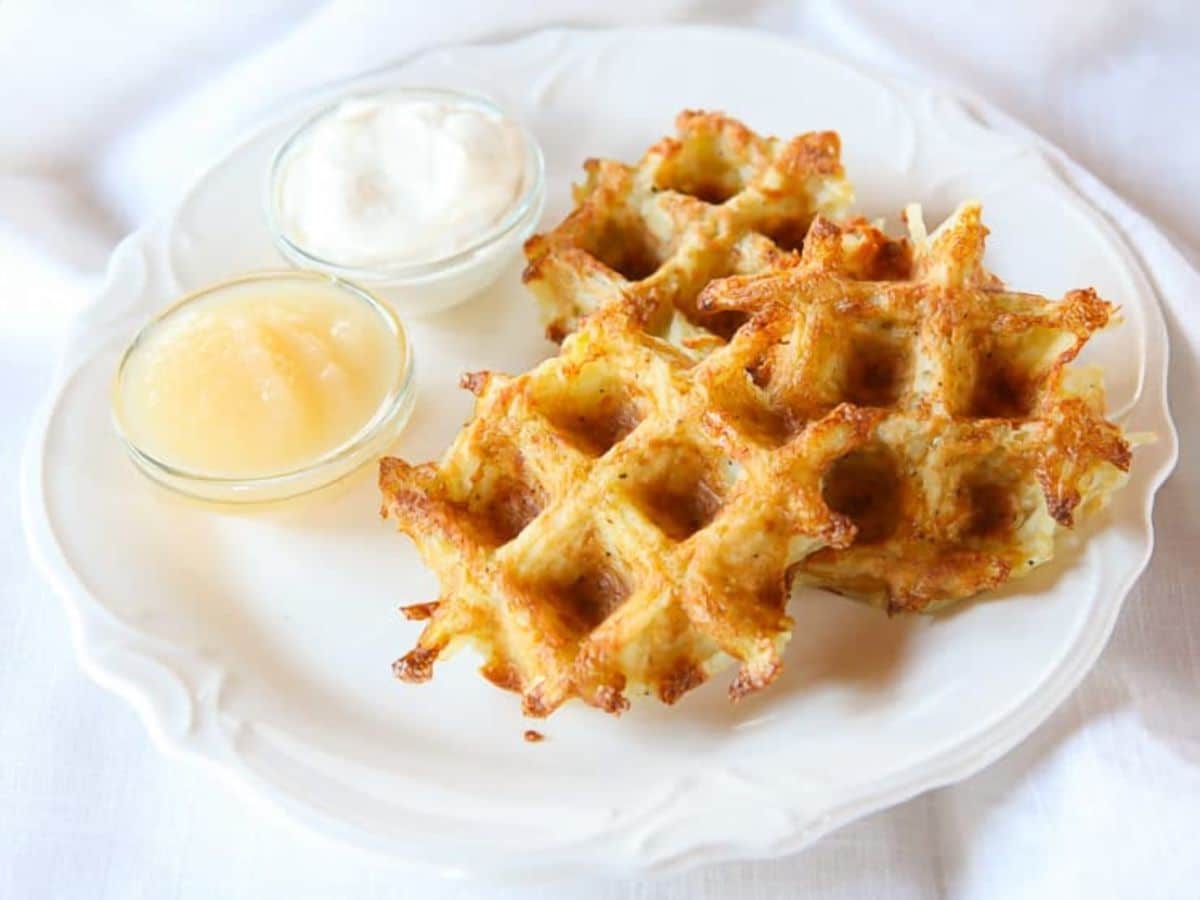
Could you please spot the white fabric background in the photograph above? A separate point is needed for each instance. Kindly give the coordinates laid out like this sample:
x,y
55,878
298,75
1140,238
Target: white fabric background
x,y
106,110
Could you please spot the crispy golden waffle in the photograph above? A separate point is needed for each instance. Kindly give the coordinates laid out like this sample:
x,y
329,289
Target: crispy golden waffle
x,y
715,200
984,443
594,532
627,515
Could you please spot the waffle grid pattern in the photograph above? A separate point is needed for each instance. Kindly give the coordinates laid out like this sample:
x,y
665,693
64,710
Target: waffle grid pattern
x,y
715,200
875,416
986,443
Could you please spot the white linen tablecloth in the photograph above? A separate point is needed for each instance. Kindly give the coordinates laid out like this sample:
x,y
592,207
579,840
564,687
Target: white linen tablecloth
x,y
107,110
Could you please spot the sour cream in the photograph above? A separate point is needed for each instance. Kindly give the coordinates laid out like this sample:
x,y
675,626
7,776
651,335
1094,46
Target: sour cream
x,y
393,181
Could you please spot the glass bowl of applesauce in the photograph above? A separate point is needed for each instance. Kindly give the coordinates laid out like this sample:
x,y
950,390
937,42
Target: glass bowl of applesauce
x,y
265,386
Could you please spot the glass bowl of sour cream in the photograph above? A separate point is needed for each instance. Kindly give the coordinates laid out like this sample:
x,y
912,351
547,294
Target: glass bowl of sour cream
x,y
422,195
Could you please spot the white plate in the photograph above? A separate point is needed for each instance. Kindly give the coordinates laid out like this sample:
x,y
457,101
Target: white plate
x,y
262,640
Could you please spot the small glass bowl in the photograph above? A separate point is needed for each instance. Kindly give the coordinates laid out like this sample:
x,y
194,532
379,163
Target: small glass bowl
x,y
420,288
371,441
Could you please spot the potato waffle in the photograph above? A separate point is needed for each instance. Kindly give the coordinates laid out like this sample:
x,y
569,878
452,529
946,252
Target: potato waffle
x,y
626,516
715,200
726,415
593,531
984,444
